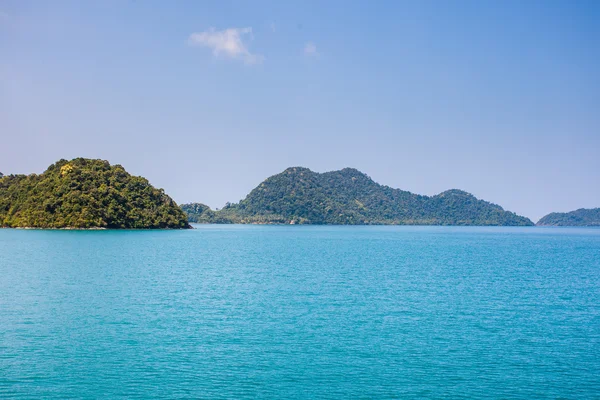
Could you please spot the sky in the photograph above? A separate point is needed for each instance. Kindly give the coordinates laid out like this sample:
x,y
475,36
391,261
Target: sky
x,y
206,99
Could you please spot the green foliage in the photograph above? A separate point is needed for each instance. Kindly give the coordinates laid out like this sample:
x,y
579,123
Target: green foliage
x,y
581,217
349,197
84,193
202,214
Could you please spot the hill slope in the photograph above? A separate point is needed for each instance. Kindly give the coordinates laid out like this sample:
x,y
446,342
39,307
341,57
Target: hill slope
x,y
581,217
350,197
84,193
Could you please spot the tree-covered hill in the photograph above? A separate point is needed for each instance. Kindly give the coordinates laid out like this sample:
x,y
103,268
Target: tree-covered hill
x,y
84,193
350,197
581,217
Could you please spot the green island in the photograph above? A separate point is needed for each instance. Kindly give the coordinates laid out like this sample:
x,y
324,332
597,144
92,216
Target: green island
x,y
581,217
86,194
350,197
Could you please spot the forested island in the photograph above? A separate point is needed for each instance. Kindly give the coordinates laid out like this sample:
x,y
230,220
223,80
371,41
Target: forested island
x,y
350,197
581,217
86,194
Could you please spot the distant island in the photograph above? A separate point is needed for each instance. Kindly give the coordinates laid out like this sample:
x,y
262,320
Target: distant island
x,y
581,217
350,197
86,194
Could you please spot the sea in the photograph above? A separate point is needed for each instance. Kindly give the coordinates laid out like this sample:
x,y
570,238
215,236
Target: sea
x,y
301,312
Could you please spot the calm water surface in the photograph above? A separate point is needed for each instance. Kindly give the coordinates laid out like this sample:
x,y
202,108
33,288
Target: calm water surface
x,y
301,312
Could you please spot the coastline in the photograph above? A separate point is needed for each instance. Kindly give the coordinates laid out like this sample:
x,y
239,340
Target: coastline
x,y
70,228
363,224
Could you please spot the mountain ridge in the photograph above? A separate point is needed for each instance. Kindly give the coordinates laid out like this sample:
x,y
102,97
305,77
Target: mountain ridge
x,y
350,197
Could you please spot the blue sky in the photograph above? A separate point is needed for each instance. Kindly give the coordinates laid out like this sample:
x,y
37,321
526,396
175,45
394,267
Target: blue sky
x,y
206,99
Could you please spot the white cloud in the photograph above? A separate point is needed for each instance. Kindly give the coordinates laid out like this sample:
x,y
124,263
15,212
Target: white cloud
x,y
310,49
227,43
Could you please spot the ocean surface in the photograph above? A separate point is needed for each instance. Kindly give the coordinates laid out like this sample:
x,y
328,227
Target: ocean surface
x,y
301,312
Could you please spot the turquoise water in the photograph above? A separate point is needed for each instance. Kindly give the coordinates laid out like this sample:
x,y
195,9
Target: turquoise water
x,y
301,312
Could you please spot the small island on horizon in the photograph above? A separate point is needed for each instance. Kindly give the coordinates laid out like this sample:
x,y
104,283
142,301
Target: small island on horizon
x,y
580,217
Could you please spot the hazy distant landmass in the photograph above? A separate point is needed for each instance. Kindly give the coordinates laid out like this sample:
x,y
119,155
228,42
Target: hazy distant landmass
x,y
84,193
581,217
202,214
350,197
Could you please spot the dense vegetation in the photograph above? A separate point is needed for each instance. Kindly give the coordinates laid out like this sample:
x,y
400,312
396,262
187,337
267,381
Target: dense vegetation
x,y
84,193
299,195
581,217
202,214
